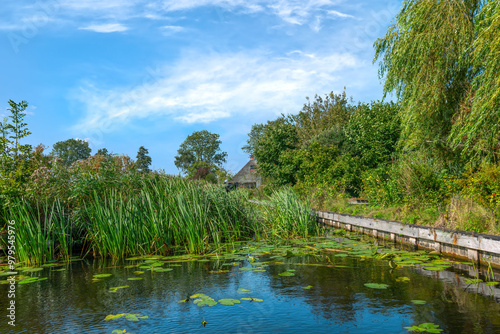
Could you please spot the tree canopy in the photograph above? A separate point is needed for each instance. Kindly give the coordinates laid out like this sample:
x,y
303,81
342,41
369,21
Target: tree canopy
x,y
441,60
71,150
200,147
143,160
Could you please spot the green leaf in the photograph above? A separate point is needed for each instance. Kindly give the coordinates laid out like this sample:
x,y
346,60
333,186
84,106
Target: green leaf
x,y
376,285
228,301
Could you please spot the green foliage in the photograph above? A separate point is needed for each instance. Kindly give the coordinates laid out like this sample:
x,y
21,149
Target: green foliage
x,y
273,151
143,160
441,59
17,128
71,150
288,217
476,130
200,146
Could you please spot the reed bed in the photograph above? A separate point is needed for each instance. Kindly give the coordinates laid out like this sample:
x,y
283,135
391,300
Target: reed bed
x,y
42,231
163,216
288,217
167,214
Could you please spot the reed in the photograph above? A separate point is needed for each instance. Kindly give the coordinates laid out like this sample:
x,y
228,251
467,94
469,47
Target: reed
x,y
165,215
288,217
42,231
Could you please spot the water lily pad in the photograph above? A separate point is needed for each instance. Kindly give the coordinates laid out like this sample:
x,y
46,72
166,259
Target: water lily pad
x,y
8,273
376,285
473,280
205,302
307,287
428,327
138,272
32,280
402,279
134,278
228,301
434,268
287,273
161,270
116,288
243,291
101,275
128,316
253,299
418,302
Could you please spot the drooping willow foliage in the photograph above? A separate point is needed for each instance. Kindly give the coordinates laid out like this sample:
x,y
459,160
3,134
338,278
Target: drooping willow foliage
x,y
441,58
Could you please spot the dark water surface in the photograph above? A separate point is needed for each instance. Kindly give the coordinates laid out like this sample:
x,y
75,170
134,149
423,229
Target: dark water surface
x,y
338,302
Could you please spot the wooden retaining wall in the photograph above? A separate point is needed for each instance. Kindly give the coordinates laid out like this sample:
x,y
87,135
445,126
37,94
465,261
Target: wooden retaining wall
x,y
479,248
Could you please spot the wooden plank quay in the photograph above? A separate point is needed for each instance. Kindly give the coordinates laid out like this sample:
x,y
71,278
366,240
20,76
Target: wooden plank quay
x,y
476,247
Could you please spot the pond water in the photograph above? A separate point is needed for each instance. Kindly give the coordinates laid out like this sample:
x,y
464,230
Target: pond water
x,y
297,288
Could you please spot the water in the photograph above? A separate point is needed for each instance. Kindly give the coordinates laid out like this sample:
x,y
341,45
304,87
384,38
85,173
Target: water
x,y
338,302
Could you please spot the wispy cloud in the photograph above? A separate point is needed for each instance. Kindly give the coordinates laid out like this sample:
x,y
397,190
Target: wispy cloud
x,y
204,88
335,13
105,28
170,30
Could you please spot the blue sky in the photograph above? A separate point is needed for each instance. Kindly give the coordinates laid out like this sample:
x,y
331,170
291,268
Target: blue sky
x,y
129,73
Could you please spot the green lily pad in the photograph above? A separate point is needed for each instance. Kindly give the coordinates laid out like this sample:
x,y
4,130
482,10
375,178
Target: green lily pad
x,y
138,272
205,302
128,316
32,280
102,275
134,278
434,268
161,270
402,279
287,273
376,285
228,301
428,327
243,291
8,273
418,302
307,287
114,289
473,280
253,299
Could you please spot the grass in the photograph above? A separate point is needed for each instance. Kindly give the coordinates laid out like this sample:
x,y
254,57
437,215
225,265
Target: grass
x,y
288,217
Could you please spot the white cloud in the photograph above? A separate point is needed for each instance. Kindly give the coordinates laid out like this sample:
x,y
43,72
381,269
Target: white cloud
x,y
339,14
105,28
204,88
170,30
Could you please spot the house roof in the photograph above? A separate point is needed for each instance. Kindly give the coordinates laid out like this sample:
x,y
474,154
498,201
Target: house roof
x,y
247,174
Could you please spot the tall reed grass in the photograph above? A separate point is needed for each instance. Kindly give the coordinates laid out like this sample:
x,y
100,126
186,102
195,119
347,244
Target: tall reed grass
x,y
167,214
42,231
162,216
288,217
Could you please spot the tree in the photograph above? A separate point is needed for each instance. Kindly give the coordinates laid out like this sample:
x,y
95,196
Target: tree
x,y
441,60
143,160
274,151
103,151
71,150
200,147
256,133
17,128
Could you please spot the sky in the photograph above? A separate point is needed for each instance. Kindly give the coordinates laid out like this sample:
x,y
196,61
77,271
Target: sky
x,y
122,74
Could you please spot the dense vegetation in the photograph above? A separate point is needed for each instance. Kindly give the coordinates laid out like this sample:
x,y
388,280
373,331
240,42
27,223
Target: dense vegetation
x,y
70,202
430,157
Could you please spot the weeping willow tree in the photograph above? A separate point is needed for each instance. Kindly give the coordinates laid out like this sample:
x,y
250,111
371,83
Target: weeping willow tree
x,y
477,126
441,58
